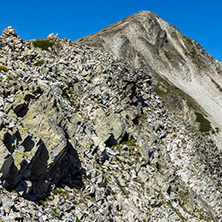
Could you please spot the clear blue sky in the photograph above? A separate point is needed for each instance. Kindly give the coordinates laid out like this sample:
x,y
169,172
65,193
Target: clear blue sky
x,y
200,20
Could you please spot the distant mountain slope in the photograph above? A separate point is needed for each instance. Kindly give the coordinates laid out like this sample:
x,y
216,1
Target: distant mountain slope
x,y
146,41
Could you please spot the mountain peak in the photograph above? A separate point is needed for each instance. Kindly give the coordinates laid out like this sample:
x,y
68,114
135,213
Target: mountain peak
x,y
145,13
147,41
125,133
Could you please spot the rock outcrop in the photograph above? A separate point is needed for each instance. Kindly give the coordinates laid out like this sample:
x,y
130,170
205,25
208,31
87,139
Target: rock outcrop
x,y
85,137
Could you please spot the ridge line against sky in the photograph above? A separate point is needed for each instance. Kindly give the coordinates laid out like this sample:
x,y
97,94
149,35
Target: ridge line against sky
x,y
200,20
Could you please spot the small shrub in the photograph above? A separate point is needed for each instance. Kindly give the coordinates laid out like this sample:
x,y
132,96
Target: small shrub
x,y
78,220
55,214
40,62
56,191
72,103
204,123
130,142
42,202
4,68
43,44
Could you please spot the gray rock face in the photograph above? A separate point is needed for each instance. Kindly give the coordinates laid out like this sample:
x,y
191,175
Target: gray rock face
x,y
85,136
186,76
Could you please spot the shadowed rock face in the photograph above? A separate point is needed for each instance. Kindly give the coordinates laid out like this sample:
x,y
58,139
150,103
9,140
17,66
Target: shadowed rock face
x,y
35,150
180,65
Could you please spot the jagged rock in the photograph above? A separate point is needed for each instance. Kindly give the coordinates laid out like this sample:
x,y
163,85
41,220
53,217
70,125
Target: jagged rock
x,y
110,129
8,32
101,181
2,102
10,39
52,35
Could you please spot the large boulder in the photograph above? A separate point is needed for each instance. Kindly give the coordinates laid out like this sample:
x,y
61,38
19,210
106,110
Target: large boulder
x,y
110,129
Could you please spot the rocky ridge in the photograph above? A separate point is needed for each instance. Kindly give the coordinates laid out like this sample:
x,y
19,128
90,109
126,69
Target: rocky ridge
x,y
85,136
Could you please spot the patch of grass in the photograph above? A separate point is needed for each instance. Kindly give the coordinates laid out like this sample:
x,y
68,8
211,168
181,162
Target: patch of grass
x,y
78,220
4,68
129,142
160,91
55,213
40,62
164,89
43,201
55,192
58,190
204,123
69,94
72,103
43,44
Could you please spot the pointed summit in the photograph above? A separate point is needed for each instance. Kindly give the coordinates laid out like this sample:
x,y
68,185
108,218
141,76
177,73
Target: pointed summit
x,y
9,32
10,38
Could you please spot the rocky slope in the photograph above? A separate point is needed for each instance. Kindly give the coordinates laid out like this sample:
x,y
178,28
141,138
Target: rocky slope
x,y
188,77
84,137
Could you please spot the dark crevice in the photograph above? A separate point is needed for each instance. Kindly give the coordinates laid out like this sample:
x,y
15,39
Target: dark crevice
x,y
110,141
133,89
7,142
28,143
22,112
135,121
125,138
8,169
105,156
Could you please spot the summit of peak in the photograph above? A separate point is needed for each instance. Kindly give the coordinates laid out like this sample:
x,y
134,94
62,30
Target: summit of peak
x,y
145,13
